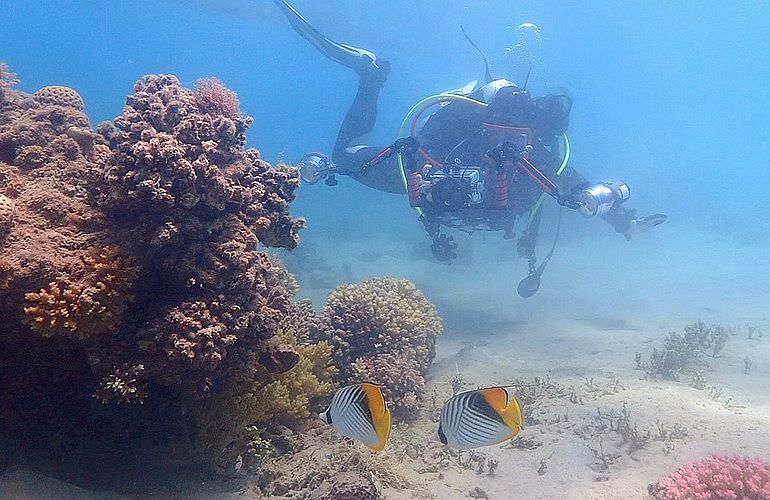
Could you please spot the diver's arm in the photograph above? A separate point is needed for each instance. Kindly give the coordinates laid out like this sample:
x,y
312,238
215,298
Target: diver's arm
x,y
623,220
384,176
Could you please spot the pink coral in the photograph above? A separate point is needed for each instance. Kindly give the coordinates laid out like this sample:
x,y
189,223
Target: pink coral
x,y
717,477
214,98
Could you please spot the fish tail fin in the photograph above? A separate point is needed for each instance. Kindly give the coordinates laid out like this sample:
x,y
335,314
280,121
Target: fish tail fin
x,y
380,414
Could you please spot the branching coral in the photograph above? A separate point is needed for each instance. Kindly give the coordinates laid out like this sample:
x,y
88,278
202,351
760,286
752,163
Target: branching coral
x,y
123,384
90,306
680,349
717,478
383,330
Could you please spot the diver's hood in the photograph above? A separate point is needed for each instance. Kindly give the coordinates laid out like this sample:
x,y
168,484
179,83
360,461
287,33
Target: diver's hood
x,y
511,105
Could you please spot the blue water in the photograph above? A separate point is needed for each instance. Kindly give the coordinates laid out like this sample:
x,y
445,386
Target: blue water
x,y
671,97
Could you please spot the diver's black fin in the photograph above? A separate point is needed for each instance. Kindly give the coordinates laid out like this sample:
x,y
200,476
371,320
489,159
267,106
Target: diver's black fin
x,y
353,57
487,73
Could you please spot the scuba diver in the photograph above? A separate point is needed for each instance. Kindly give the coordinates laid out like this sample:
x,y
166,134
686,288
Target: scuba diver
x,y
478,158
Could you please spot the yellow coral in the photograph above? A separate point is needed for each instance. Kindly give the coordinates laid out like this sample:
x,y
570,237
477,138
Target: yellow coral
x,y
291,393
224,419
60,96
7,211
85,308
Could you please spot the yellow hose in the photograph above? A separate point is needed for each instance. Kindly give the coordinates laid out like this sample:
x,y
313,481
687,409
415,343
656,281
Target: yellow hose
x,y
563,165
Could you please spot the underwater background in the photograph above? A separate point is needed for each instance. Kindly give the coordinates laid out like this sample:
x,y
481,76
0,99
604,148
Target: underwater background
x,y
670,97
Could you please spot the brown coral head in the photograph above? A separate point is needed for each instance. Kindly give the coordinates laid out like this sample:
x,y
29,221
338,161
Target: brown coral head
x,y
83,136
278,361
7,212
59,95
214,98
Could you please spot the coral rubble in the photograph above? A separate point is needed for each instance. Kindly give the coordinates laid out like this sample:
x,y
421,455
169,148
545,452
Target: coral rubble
x,y
383,330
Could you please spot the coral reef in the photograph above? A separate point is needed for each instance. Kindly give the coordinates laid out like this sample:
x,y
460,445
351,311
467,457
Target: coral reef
x,y
7,212
133,270
716,477
177,165
57,95
7,81
266,399
383,330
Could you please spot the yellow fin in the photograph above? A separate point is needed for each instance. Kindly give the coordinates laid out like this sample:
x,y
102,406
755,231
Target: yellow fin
x,y
506,405
380,413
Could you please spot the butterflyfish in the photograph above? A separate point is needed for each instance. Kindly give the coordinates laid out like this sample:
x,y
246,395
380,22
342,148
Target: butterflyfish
x,y
359,412
481,417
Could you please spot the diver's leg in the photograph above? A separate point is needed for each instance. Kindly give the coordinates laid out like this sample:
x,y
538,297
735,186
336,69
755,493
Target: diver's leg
x,y
350,150
360,119
353,57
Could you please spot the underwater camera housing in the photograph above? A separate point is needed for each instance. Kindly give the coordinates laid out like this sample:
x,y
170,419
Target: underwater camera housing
x,y
456,188
600,198
316,166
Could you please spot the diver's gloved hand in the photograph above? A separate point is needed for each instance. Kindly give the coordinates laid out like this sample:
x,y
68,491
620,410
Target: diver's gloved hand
x,y
643,224
443,248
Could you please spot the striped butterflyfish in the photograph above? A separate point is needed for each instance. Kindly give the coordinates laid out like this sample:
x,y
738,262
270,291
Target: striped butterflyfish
x,y
482,417
359,412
